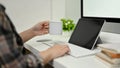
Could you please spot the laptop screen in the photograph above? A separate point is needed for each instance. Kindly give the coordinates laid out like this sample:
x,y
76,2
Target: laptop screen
x,y
86,32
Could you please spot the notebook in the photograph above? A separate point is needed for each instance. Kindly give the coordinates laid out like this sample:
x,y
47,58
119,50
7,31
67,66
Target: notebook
x,y
84,37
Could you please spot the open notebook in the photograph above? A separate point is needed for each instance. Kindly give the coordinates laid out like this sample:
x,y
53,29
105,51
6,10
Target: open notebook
x,y
83,38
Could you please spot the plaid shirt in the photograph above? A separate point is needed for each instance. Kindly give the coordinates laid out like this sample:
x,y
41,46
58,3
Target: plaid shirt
x,y
11,45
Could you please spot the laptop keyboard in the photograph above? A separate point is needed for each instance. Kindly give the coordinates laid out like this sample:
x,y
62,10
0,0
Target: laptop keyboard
x,y
75,51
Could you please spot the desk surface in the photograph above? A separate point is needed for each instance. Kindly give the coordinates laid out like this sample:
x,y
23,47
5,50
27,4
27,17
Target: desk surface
x,y
68,61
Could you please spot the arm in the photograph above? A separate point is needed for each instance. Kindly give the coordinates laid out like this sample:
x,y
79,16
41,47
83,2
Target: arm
x,y
54,52
9,46
39,29
27,34
49,54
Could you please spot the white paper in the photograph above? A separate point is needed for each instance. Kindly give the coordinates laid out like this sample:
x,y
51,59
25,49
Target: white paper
x,y
111,46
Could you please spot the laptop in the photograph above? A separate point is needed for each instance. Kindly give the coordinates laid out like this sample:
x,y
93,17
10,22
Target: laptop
x,y
84,37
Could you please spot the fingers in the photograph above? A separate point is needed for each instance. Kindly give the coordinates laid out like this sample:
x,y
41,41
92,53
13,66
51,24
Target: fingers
x,y
46,23
45,31
42,32
63,48
66,49
46,27
58,50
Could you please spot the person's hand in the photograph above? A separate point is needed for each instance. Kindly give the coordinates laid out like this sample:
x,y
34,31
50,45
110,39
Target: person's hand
x,y
54,52
58,50
41,28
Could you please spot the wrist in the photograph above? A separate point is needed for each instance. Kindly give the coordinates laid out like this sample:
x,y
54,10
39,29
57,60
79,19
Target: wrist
x,y
27,34
46,56
31,32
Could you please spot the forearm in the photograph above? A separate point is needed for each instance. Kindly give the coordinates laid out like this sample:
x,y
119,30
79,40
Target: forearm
x,y
46,56
27,34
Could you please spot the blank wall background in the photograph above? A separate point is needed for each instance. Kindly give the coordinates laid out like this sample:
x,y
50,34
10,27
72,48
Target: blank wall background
x,y
26,13
72,8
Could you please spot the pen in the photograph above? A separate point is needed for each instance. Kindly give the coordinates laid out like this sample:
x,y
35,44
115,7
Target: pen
x,y
44,40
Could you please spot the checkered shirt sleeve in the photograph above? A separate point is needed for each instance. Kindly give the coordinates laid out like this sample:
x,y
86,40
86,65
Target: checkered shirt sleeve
x,y
11,45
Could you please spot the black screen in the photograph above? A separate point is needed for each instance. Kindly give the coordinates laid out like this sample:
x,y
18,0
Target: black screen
x,y
86,32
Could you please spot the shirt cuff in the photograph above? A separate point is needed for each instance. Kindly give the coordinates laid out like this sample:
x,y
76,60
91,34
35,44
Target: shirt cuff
x,y
34,61
39,58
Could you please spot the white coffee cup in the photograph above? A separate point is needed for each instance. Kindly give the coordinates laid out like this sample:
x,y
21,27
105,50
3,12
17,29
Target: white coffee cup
x,y
55,28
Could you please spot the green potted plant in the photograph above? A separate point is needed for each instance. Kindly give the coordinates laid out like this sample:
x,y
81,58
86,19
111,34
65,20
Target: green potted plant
x,y
68,25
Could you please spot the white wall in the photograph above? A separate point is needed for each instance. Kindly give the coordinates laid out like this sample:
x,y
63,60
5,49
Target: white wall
x,y
58,9
73,9
26,13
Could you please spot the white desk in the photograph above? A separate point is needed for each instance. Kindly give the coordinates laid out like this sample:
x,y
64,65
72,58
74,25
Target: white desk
x,y
68,61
